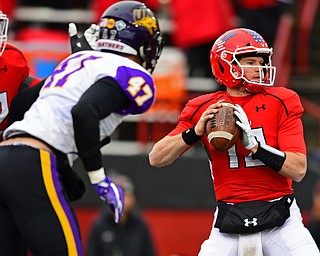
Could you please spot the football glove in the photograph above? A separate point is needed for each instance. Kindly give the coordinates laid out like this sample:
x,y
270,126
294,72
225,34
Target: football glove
x,y
248,140
110,193
85,42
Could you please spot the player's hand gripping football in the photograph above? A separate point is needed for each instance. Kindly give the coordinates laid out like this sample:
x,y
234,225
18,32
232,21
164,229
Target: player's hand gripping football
x,y
200,127
88,41
110,193
248,139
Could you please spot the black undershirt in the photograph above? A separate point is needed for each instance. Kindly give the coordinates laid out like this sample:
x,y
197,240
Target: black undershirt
x,y
98,102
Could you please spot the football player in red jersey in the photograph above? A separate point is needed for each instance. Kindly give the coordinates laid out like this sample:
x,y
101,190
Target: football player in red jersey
x,y
14,72
256,208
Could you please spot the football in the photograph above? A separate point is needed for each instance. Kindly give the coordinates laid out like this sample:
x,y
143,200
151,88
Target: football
x,y
222,131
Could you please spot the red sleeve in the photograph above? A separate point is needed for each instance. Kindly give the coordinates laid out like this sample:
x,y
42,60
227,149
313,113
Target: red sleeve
x,y
16,63
291,136
16,70
193,110
189,115
19,69
183,123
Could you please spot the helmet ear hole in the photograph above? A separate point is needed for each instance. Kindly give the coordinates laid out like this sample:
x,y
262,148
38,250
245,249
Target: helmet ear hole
x,y
221,68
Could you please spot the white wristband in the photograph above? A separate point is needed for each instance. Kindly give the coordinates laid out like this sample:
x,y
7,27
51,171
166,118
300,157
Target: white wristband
x,y
97,176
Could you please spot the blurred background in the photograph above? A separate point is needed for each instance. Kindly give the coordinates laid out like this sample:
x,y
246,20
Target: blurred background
x,y
177,202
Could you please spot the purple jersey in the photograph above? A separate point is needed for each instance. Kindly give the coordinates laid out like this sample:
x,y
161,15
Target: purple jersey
x,y
138,86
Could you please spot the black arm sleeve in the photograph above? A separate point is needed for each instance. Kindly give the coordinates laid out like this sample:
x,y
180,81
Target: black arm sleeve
x,y
79,44
99,101
23,101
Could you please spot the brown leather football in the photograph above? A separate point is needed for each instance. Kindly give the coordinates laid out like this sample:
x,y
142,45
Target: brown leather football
x,y
222,130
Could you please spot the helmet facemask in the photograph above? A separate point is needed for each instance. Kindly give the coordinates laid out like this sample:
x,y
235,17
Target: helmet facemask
x,y
267,72
4,22
149,54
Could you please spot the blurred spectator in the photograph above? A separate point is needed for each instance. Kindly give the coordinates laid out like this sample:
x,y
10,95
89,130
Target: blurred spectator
x,y
130,237
196,25
47,19
65,4
314,223
263,16
8,6
99,6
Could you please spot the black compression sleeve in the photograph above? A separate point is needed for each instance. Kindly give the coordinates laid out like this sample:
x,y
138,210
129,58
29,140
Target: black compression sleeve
x,y
270,156
99,101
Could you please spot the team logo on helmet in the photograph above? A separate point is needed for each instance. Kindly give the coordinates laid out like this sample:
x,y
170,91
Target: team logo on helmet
x,y
222,40
110,23
228,36
256,37
145,19
120,25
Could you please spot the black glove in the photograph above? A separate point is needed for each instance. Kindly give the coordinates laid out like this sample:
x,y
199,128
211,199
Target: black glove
x,y
85,42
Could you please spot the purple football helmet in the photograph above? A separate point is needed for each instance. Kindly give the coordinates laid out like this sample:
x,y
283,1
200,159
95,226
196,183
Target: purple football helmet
x,y
131,27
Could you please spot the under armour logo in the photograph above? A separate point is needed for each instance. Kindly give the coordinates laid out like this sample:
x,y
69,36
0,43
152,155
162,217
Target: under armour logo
x,y
263,107
253,222
4,69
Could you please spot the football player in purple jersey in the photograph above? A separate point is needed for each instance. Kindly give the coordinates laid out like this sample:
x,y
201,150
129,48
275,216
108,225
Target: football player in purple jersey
x,y
79,106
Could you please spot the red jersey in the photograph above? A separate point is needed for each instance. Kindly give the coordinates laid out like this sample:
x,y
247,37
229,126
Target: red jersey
x,y
275,118
13,71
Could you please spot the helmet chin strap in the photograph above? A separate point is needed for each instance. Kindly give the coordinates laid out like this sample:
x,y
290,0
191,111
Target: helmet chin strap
x,y
253,88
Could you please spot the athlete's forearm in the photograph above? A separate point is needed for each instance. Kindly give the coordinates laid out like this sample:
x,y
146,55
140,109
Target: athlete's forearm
x,y
295,166
167,150
289,164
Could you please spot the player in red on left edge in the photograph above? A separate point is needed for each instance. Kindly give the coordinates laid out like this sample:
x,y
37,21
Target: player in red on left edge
x,y
14,72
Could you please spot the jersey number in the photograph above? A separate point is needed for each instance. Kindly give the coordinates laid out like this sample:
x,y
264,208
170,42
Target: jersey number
x,y
60,70
136,84
4,109
248,161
